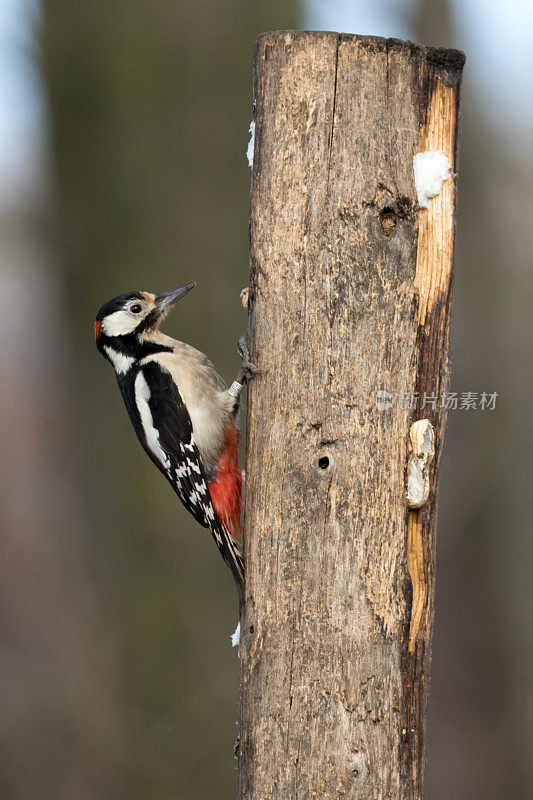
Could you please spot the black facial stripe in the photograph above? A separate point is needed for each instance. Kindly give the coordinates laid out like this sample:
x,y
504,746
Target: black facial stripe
x,y
150,321
130,345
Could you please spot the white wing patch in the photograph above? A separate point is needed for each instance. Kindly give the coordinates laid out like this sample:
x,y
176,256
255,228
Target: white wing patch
x,y
189,468
142,396
121,363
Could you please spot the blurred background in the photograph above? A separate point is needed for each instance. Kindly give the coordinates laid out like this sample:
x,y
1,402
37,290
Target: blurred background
x,y
123,129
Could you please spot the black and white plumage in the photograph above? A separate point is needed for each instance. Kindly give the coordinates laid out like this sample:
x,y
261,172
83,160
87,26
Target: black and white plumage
x,y
180,409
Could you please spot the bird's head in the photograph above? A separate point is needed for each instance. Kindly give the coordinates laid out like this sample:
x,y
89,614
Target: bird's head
x,y
128,319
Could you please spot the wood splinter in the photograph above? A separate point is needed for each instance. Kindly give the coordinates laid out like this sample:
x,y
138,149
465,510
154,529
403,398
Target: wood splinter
x,y
421,453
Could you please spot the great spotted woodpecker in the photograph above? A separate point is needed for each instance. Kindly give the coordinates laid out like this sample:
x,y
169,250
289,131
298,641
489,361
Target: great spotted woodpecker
x,y
181,410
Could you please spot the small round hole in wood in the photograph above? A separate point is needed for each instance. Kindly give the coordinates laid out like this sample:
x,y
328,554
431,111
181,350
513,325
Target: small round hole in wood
x,y
323,462
388,220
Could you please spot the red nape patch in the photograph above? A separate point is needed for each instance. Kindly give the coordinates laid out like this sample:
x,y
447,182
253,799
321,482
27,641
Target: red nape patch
x,y
226,489
97,326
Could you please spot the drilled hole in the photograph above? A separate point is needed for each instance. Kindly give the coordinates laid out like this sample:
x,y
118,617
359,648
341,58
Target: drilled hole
x,y
388,220
323,462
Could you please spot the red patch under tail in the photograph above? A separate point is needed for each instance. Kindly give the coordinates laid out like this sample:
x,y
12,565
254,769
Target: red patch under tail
x,y
226,488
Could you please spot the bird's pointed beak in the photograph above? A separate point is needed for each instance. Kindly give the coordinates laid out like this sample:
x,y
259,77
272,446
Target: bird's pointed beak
x,y
164,301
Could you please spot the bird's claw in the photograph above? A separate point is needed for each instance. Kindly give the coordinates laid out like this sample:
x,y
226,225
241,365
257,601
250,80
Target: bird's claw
x,y
248,367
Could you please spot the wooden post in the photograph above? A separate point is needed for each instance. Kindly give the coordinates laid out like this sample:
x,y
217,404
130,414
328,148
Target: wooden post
x,y
349,295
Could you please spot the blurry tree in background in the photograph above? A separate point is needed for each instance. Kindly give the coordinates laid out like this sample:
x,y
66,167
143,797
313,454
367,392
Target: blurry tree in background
x,y
118,676
150,105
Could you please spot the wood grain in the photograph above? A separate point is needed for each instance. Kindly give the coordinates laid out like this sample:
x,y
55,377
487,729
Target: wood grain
x,y
349,294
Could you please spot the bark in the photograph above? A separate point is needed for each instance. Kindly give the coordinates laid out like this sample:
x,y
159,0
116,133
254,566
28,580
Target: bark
x,y
349,295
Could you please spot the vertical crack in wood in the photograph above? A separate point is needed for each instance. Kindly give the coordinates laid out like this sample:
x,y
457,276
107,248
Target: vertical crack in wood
x,y
333,106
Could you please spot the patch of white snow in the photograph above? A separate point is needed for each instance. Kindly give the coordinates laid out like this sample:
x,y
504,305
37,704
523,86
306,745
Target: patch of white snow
x,y
236,637
251,145
431,168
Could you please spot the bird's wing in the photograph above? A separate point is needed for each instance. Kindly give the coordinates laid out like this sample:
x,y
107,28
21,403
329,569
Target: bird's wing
x,y
169,441
169,438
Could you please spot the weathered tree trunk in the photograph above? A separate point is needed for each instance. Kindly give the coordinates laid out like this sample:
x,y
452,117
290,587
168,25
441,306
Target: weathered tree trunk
x,y
349,295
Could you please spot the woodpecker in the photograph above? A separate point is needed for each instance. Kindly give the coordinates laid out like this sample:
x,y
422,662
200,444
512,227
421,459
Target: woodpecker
x,y
181,410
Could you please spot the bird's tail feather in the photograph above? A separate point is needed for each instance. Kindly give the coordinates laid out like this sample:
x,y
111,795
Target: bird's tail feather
x,y
231,554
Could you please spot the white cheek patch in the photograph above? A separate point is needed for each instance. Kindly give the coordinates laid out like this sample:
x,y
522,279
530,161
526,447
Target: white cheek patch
x,y
142,396
121,362
119,324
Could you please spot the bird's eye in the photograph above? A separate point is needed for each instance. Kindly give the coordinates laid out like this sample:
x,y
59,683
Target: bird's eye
x,y
136,308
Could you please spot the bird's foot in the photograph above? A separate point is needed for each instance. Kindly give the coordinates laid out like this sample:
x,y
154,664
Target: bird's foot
x,y
247,371
248,368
